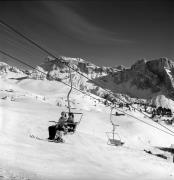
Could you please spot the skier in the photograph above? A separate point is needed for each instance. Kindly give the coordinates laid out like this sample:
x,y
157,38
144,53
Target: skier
x,y
55,130
60,127
70,124
70,118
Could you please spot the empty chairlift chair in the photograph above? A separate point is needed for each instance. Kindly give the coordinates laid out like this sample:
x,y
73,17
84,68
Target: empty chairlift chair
x,y
114,138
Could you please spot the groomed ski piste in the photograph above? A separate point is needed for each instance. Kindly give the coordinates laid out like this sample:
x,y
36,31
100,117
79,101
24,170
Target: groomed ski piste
x,y
27,106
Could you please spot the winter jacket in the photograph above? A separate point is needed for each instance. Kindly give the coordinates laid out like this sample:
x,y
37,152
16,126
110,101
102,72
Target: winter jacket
x,y
62,121
70,120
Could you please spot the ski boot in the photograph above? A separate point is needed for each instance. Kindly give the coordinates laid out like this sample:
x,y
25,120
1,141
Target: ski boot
x,y
59,140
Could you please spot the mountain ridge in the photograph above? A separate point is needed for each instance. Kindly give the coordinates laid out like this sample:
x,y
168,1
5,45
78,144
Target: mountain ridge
x,y
145,79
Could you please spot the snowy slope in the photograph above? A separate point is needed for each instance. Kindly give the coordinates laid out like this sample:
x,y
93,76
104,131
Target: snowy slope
x,y
85,155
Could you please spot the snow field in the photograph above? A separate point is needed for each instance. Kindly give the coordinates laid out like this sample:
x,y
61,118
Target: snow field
x,y
85,154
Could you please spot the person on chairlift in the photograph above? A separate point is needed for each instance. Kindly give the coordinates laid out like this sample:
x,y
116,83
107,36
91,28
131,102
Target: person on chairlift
x,y
56,131
61,127
70,121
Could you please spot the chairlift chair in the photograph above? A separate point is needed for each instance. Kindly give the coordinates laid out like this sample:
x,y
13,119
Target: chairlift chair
x,y
114,138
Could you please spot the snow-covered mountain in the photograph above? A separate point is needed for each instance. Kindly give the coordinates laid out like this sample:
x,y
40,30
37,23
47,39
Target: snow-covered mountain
x,y
144,79
56,69
8,71
53,69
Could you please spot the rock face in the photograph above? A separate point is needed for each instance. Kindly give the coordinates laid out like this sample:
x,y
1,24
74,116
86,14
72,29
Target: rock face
x,y
151,76
164,69
161,69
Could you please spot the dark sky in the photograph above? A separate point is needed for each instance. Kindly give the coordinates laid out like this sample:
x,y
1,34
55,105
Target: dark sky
x,y
106,33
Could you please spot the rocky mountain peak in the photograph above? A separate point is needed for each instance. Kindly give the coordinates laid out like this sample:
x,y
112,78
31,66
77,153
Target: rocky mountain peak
x,y
143,79
159,65
139,65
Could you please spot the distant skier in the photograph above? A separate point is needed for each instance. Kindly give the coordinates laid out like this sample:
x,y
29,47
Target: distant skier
x,y
56,131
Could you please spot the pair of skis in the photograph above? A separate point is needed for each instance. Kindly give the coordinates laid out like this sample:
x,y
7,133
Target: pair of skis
x,y
49,140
